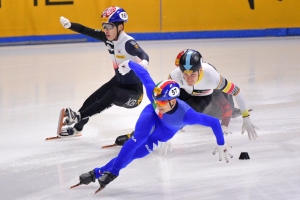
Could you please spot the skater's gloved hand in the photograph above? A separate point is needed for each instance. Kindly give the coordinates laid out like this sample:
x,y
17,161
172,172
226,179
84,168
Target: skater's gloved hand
x,y
124,68
65,22
164,148
223,152
87,178
106,178
250,128
225,130
144,64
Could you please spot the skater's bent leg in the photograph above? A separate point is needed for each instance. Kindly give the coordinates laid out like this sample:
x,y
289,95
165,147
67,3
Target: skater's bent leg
x,y
90,101
224,105
128,98
147,121
113,93
98,94
140,153
229,98
199,103
100,105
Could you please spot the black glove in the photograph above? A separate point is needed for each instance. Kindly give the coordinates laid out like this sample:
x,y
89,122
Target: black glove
x,y
87,178
106,178
120,141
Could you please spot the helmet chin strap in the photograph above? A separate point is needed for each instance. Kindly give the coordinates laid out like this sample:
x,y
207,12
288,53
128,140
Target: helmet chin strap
x,y
118,32
170,104
199,72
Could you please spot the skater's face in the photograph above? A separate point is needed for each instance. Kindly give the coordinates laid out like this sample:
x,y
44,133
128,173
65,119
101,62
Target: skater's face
x,y
165,106
111,30
191,78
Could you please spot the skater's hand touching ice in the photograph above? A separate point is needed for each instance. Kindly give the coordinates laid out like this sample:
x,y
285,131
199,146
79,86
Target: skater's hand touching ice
x,y
223,152
65,22
124,68
250,128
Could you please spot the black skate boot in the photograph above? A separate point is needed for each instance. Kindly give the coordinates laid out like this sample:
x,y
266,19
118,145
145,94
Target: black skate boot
x,y
120,140
87,178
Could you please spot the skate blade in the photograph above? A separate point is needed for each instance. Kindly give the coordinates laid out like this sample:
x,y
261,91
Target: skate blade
x,y
107,146
52,138
70,136
60,121
78,184
100,188
58,137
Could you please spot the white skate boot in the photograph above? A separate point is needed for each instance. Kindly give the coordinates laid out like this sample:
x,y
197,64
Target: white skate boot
x,y
71,117
69,131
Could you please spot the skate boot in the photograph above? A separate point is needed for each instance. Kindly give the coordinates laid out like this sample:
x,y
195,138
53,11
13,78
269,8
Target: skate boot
x,y
71,117
120,140
69,132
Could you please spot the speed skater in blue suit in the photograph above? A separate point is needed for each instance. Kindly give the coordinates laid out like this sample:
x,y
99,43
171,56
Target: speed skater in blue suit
x,y
158,122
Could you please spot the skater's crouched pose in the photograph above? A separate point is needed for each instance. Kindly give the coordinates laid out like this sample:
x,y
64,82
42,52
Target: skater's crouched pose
x,y
124,90
158,122
202,85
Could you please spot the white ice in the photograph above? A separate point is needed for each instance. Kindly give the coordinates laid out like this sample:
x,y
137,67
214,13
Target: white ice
x,y
37,81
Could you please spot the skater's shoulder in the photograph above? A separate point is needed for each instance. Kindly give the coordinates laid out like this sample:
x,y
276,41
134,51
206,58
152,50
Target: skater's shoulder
x,y
208,67
209,72
176,73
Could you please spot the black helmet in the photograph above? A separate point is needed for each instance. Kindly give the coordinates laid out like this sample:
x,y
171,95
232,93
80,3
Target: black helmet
x,y
189,60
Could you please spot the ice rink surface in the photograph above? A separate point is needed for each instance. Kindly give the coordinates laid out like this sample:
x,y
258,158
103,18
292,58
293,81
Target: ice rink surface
x,y
37,81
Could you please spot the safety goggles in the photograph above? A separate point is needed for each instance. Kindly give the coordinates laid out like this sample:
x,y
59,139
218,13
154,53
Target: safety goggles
x,y
161,103
107,26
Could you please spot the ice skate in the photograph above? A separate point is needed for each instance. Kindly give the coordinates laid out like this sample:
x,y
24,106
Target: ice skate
x,y
71,117
69,132
64,131
120,140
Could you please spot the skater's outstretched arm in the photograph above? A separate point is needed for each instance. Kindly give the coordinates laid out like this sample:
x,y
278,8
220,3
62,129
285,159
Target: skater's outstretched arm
x,y
192,117
142,73
97,34
232,89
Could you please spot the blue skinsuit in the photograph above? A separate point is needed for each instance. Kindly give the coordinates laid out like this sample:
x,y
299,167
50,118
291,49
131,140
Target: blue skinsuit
x,y
151,130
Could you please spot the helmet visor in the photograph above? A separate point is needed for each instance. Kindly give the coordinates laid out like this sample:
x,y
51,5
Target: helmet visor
x,y
108,26
161,103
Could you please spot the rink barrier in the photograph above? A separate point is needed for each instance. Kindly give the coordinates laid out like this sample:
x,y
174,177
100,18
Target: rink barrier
x,y
73,38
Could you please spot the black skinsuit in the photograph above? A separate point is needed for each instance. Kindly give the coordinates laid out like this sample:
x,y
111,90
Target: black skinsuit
x,y
122,90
